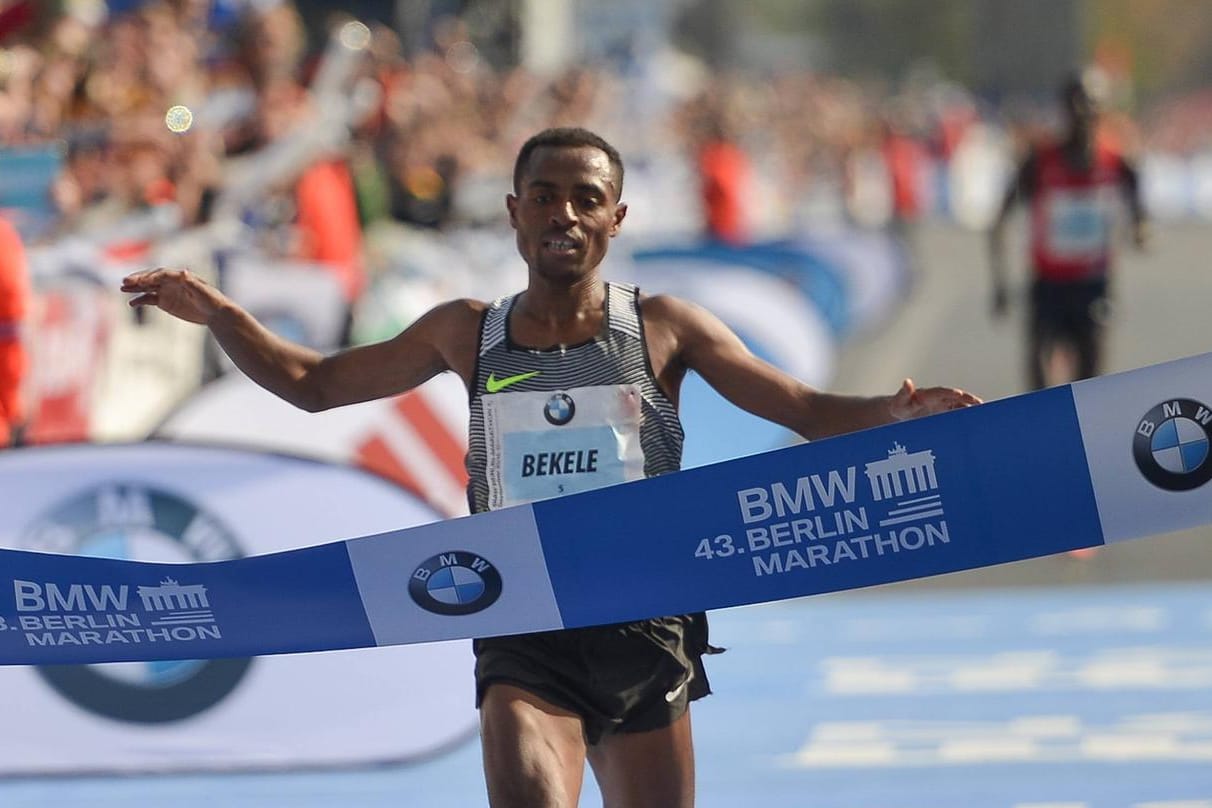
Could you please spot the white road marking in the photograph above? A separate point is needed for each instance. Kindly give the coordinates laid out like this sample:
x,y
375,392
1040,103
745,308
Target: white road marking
x,y
1164,737
1100,620
1148,668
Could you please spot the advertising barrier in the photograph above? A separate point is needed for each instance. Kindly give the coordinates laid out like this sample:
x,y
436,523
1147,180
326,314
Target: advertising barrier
x,y
209,506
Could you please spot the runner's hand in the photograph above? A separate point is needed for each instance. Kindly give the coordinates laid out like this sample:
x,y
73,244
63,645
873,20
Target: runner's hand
x,y
1141,235
910,402
178,292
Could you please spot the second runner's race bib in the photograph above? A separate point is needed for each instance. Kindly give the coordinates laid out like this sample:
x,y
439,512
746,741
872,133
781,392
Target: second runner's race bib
x,y
1079,223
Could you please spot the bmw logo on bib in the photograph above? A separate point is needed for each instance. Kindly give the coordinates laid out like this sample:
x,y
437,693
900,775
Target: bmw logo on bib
x,y
453,583
559,409
1171,445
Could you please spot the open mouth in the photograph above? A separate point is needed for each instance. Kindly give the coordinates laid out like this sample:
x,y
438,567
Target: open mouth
x,y
561,246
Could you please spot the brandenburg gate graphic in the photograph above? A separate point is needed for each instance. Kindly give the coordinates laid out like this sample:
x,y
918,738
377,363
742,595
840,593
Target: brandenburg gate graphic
x,y
170,596
902,473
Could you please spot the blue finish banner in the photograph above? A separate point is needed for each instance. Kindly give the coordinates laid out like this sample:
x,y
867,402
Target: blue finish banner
x,y
302,600
921,498
1102,460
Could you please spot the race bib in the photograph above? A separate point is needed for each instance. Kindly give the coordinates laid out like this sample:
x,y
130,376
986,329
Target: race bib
x,y
548,444
1078,223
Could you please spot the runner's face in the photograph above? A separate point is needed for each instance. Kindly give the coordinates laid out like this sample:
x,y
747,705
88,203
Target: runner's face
x,y
1083,110
566,210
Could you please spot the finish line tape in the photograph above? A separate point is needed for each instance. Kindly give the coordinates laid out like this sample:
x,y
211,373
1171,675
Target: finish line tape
x,y
1093,463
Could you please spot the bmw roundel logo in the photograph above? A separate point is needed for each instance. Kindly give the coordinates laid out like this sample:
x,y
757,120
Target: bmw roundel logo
x,y
559,409
1171,445
136,521
455,582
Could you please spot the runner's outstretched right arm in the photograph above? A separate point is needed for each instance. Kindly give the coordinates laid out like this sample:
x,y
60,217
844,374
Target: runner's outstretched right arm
x,y
302,376
1018,189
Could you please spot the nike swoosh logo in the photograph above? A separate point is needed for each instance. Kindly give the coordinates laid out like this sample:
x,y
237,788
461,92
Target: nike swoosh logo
x,y
495,385
672,695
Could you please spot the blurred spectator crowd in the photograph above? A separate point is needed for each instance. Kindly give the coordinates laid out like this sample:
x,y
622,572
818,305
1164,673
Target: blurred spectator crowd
x,y
298,162
432,140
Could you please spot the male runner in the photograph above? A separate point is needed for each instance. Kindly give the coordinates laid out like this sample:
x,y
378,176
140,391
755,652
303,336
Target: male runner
x,y
1071,187
569,346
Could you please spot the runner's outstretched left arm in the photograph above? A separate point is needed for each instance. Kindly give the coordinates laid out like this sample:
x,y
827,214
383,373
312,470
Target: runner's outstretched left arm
x,y
707,346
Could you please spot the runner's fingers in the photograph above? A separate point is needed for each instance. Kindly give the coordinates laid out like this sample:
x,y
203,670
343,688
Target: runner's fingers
x,y
947,398
960,399
150,279
142,281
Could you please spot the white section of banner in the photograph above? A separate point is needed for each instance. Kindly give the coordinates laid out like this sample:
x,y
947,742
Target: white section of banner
x,y
345,708
1115,412
505,542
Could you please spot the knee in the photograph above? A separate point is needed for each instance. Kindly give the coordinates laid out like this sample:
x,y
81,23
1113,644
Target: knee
x,y
534,755
522,773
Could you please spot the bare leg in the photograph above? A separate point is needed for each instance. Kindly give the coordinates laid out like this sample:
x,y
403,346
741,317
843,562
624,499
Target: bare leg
x,y
652,769
1089,347
534,752
1062,363
1040,346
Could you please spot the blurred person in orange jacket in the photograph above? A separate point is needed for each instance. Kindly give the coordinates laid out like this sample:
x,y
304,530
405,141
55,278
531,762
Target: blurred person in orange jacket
x,y
904,157
1071,186
724,176
327,228
14,304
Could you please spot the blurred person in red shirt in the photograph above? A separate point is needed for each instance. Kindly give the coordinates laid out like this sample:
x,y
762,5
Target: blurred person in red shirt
x,y
330,231
14,304
904,155
724,177
904,158
1071,186
327,226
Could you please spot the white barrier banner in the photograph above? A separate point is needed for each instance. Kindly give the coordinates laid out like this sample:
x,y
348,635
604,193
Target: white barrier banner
x,y
178,503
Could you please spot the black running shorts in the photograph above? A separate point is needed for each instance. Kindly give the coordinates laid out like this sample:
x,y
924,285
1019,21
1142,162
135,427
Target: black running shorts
x,y
627,677
1072,309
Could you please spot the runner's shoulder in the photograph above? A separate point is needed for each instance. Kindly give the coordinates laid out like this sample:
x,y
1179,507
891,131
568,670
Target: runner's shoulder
x,y
666,307
452,323
676,316
460,311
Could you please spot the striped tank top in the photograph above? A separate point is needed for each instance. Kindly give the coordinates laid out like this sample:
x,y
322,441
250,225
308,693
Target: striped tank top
x,y
554,429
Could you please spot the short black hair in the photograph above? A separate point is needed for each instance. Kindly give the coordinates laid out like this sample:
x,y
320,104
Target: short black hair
x,y
566,137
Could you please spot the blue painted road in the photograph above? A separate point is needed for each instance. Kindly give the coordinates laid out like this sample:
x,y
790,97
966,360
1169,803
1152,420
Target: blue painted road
x,y
1087,697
